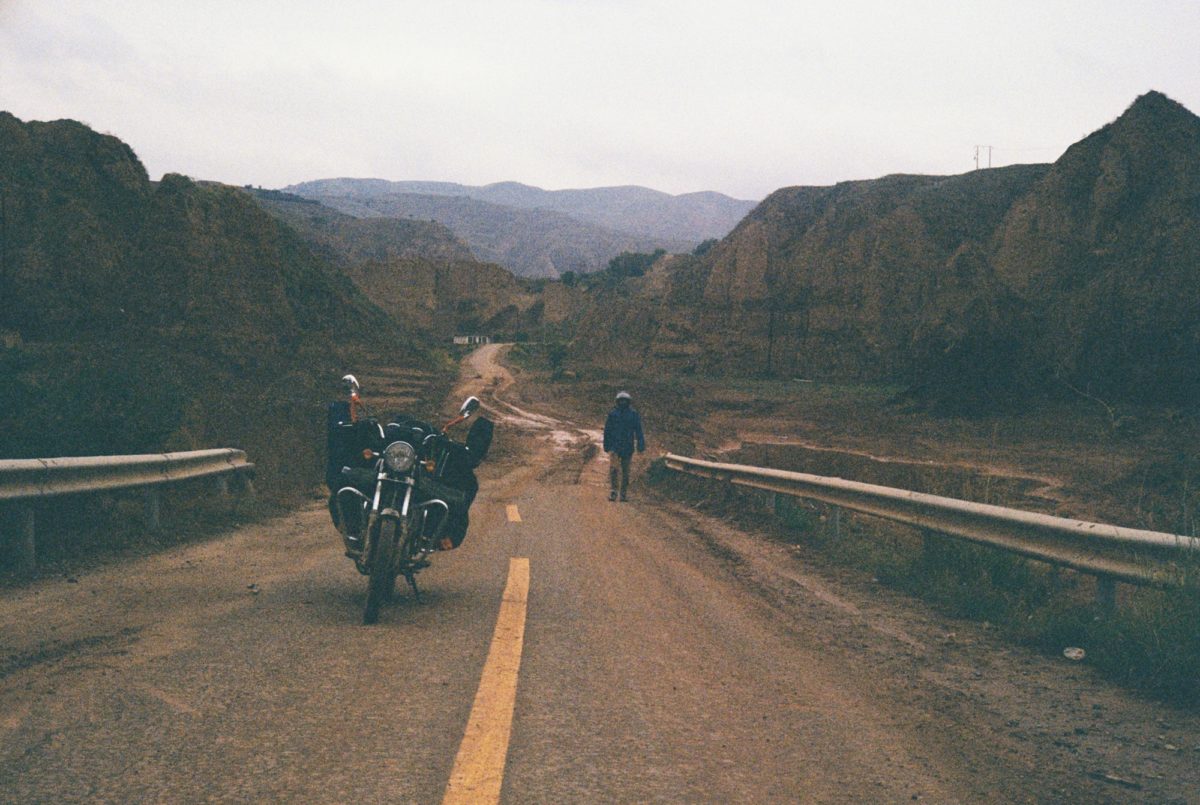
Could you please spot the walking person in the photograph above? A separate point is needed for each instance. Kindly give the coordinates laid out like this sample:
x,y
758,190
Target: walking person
x,y
622,432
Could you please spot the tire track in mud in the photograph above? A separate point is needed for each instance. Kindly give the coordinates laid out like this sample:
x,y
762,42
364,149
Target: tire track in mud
x,y
578,446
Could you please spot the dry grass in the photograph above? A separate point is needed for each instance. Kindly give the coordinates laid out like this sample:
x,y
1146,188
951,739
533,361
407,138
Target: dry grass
x,y
1150,643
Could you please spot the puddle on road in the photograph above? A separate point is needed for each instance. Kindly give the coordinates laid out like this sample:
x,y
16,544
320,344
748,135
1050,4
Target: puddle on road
x,y
560,434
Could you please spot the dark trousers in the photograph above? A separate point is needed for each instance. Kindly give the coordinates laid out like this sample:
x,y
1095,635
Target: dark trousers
x,y
613,460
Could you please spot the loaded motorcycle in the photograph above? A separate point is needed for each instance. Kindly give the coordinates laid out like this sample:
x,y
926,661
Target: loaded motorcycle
x,y
400,489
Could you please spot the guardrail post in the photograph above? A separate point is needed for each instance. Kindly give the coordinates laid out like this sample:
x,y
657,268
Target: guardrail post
x,y
247,485
785,505
1106,594
152,508
221,486
26,540
933,547
1091,548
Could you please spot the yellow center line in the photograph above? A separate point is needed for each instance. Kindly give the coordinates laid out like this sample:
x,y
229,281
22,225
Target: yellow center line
x,y
479,768
514,516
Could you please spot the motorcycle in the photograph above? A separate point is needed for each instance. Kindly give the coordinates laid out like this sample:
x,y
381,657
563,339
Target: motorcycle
x,y
400,489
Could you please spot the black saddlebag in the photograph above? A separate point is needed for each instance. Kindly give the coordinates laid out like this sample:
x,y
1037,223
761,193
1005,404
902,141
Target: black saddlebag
x,y
479,440
344,445
457,485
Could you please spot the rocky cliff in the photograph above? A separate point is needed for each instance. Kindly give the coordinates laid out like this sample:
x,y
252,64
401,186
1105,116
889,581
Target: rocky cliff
x,y
144,316
1106,248
967,288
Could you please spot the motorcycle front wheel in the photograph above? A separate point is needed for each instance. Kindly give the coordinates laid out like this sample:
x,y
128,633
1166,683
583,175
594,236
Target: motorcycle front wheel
x,y
382,577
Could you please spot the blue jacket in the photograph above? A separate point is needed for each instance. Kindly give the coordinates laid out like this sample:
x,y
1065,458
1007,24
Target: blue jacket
x,y
620,429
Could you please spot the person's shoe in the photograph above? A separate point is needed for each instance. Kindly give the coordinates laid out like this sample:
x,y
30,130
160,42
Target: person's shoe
x,y
612,495
624,498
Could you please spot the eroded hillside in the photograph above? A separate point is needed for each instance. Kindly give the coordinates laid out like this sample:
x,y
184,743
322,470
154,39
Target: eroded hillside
x,y
1084,274
144,316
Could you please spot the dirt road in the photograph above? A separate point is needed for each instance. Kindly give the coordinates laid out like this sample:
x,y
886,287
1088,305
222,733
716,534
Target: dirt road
x,y
665,658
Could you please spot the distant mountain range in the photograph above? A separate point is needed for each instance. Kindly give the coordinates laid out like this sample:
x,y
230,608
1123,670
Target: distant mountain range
x,y
542,233
346,239
417,269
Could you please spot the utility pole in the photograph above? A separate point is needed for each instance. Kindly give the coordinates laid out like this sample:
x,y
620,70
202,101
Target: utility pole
x,y
771,341
3,234
4,283
978,148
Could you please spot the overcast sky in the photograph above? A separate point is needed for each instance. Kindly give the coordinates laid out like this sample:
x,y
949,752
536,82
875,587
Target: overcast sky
x,y
740,97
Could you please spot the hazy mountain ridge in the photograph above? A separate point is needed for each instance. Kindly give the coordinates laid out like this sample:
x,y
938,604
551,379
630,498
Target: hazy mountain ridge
x,y
627,218
969,288
531,243
685,218
418,270
351,239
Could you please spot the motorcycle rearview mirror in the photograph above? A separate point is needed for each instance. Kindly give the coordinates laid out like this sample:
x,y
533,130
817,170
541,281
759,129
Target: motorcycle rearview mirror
x,y
470,406
352,384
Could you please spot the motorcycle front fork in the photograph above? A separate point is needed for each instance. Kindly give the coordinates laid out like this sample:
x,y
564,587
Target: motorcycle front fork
x,y
423,542
364,560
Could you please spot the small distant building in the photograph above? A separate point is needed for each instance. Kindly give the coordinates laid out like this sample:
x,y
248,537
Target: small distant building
x,y
472,340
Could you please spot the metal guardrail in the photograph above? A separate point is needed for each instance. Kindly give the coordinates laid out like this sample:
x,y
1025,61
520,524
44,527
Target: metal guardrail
x,y
23,481
1111,553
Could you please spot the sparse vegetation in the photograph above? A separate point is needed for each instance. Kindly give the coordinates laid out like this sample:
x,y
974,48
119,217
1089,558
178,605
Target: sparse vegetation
x,y
626,265
549,357
1150,643
632,264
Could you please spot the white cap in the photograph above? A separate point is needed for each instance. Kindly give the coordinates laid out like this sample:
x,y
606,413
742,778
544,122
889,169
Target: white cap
x,y
624,395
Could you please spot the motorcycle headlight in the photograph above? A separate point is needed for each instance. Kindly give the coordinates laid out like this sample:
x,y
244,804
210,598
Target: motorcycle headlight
x,y
399,456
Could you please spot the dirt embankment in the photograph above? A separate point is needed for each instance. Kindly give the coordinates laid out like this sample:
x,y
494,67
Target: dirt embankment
x,y
1131,467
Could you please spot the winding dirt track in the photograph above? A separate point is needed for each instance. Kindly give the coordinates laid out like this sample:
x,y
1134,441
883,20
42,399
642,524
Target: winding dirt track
x,y
666,658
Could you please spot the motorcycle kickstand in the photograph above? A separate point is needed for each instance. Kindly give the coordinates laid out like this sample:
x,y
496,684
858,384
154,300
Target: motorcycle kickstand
x,y
412,582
